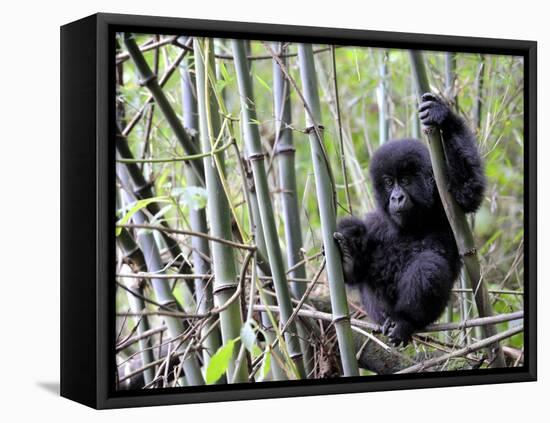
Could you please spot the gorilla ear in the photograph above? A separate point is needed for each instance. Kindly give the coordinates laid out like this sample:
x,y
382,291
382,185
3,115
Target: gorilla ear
x,y
430,178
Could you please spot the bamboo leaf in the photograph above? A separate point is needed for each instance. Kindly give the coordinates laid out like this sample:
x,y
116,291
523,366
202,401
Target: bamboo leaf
x,y
138,205
248,336
266,365
219,362
194,197
158,217
265,84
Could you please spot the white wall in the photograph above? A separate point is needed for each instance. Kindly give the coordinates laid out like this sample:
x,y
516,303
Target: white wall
x,y
29,132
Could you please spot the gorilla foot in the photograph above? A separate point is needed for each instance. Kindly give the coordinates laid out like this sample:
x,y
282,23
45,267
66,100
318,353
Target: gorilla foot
x,y
399,332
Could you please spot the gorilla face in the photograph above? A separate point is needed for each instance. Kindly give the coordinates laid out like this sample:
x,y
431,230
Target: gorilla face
x,y
403,181
399,202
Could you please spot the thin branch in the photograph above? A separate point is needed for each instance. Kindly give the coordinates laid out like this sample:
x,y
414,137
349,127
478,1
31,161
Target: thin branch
x,y
132,340
179,158
482,321
122,57
340,134
191,233
463,351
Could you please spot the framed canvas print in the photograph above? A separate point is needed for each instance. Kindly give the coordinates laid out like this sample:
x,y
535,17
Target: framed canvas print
x,y
254,211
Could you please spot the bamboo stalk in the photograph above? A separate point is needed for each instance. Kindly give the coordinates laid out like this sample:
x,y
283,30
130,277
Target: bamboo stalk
x,y
149,101
142,189
450,77
267,217
197,218
136,261
264,270
327,211
149,79
457,218
340,131
450,93
122,57
142,323
381,96
225,282
285,153
165,298
478,104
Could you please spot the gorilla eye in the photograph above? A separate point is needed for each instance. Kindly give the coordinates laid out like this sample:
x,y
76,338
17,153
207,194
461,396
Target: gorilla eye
x,y
405,180
388,181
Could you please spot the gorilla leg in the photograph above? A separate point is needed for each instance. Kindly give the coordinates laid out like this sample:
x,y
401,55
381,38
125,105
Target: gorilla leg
x,y
423,291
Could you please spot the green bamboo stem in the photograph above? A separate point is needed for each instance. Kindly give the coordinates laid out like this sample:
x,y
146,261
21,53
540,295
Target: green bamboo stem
x,y
142,189
457,218
340,131
197,218
327,211
285,153
381,96
415,121
450,77
267,218
150,100
262,266
134,257
164,296
219,214
149,79
145,346
478,105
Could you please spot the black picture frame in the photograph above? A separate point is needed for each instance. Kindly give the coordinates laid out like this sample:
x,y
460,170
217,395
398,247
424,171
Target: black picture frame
x,y
87,201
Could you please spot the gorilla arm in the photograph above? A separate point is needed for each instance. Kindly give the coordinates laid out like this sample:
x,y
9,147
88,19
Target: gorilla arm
x,y
465,170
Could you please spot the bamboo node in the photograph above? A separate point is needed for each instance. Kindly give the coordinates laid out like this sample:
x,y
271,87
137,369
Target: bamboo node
x,y
141,192
470,252
285,149
223,287
337,319
313,128
256,156
144,82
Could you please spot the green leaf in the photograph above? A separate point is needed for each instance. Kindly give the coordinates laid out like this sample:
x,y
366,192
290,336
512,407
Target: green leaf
x,y
248,336
225,75
219,362
256,351
266,365
193,197
265,84
157,217
138,205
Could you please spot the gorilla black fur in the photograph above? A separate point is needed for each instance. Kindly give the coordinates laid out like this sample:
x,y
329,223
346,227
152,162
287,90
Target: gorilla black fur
x,y
403,256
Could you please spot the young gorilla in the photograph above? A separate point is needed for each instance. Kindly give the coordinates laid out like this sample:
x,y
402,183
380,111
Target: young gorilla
x,y
403,255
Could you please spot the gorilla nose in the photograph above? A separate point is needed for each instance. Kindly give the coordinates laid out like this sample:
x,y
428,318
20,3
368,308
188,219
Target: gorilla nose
x,y
397,199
